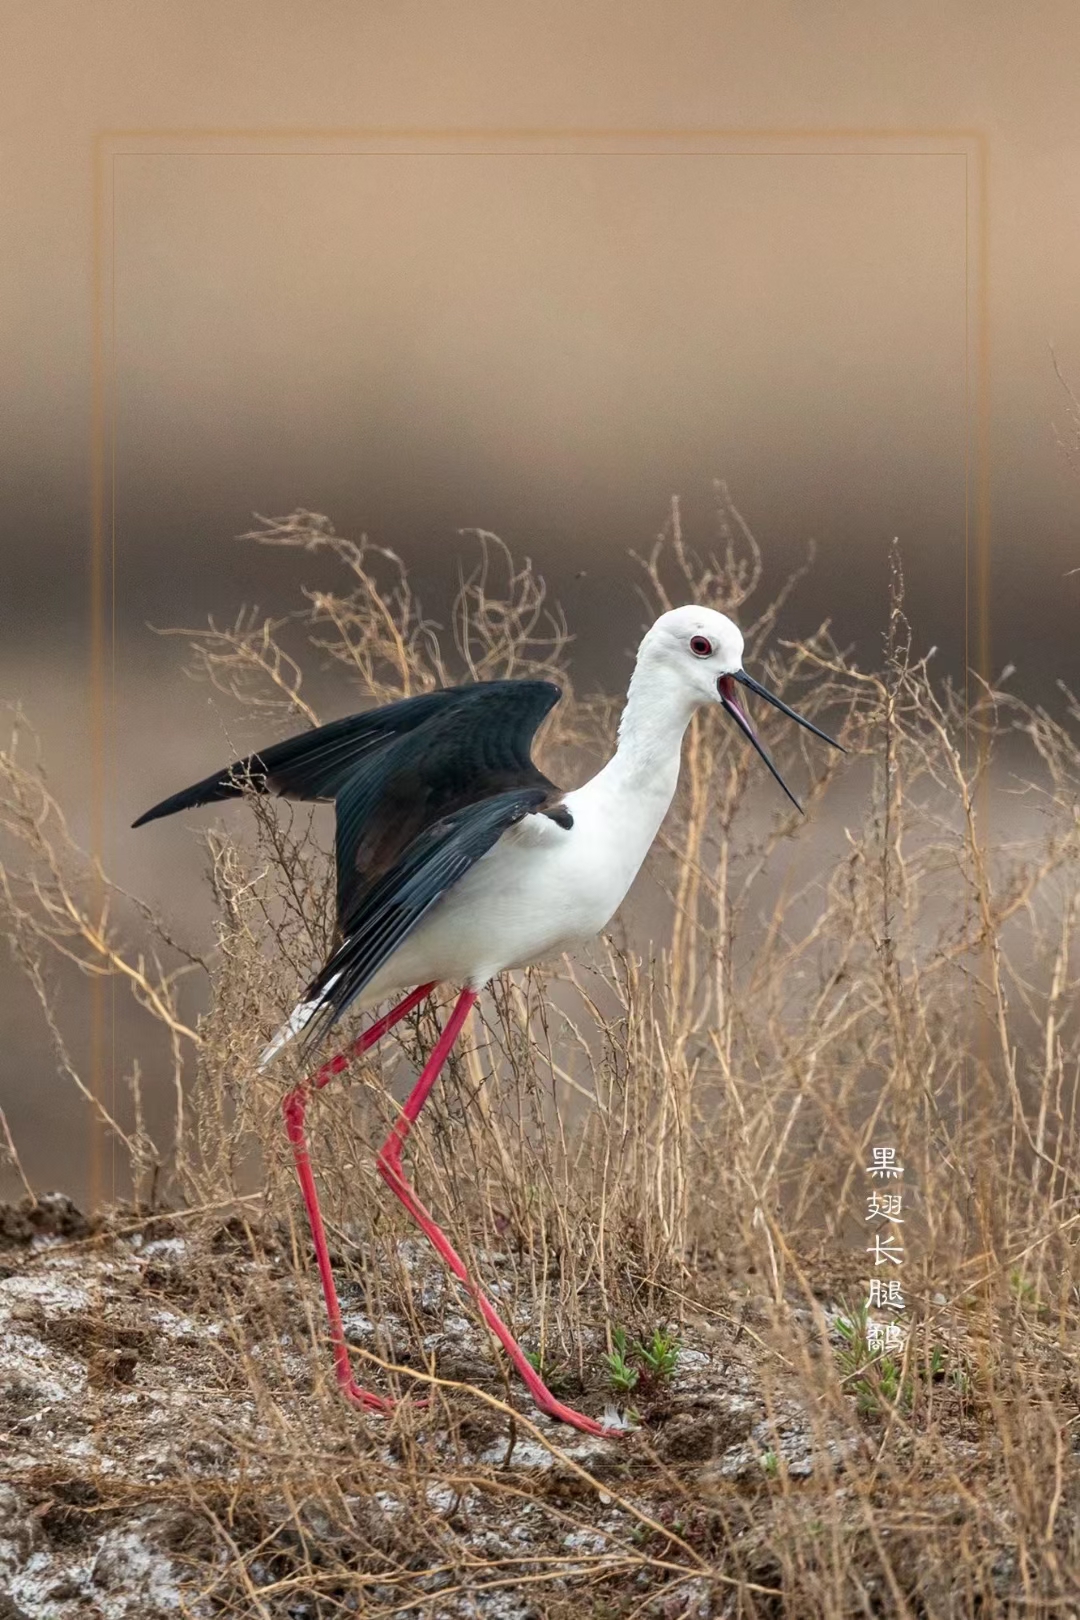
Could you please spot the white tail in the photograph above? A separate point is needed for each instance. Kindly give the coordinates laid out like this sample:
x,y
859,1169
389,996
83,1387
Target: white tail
x,y
298,1019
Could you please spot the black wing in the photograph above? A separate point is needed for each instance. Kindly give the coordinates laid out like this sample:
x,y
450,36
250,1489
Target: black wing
x,y
394,903
465,753
423,788
314,765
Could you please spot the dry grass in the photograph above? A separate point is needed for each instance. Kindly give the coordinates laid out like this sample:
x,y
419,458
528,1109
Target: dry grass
x,y
673,1130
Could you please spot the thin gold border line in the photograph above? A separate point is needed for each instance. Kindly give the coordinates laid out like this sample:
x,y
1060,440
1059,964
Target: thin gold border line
x,y
968,429
346,132
545,151
102,397
982,460
97,683
112,401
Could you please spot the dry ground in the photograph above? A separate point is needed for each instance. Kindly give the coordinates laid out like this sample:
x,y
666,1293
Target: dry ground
x,y
170,1446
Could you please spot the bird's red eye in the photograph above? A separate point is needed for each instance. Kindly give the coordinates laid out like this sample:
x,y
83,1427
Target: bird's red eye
x,y
701,646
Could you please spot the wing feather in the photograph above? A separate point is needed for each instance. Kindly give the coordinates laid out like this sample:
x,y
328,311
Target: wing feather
x,y
313,765
397,901
459,756
422,790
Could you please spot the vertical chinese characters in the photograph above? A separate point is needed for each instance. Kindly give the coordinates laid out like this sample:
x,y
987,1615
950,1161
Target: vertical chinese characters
x,y
883,1212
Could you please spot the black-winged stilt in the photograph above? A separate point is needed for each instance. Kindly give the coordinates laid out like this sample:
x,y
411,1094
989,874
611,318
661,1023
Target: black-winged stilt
x,y
457,859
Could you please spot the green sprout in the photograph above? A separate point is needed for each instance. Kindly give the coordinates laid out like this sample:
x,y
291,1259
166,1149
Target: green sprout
x,y
649,1364
623,1376
660,1357
875,1379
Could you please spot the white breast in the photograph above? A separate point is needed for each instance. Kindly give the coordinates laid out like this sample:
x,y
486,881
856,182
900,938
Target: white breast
x,y
542,889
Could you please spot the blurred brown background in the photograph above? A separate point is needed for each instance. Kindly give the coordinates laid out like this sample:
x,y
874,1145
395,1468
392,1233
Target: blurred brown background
x,y
546,346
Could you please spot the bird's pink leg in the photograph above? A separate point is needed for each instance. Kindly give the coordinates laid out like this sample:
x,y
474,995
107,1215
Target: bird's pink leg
x,y
294,1108
389,1166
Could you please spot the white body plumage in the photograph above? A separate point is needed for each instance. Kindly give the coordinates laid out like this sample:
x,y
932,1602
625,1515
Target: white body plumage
x,y
545,888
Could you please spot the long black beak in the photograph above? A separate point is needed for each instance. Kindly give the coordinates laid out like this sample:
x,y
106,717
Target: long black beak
x,y
725,686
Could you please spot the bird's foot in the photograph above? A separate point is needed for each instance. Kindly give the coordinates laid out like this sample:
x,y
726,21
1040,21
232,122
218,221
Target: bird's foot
x,y
369,1402
384,1405
578,1420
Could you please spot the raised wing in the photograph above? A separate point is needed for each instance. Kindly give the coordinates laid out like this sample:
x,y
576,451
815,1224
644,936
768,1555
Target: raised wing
x,y
393,904
469,751
423,788
316,764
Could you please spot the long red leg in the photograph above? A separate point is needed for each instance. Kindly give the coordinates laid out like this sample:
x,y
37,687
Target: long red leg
x,y
389,1165
294,1108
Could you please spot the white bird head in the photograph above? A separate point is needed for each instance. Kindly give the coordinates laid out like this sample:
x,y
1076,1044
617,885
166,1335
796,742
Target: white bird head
x,y
702,650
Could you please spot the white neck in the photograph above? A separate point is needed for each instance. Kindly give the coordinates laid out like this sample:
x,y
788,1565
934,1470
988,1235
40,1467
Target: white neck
x,y
618,813
640,779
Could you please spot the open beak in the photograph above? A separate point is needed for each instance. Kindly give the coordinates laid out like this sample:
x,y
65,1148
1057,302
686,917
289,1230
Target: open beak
x,y
725,686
